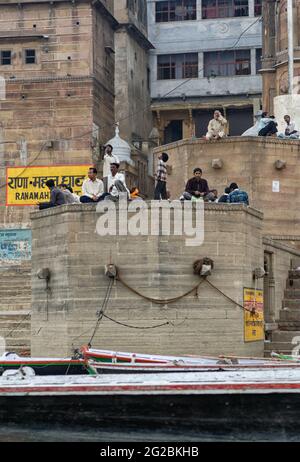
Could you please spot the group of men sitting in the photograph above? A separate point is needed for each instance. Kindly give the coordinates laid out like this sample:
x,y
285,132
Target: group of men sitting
x,y
266,125
197,189
93,189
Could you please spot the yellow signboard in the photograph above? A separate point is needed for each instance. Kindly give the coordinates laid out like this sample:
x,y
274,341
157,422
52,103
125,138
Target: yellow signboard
x,y
254,315
27,185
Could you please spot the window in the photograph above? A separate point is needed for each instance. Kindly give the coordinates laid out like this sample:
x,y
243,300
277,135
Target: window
x,y
176,10
181,66
224,8
258,60
173,132
5,57
258,7
30,57
227,63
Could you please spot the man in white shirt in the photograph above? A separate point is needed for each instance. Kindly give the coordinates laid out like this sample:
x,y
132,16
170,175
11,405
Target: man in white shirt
x,y
291,132
92,188
116,184
217,127
109,158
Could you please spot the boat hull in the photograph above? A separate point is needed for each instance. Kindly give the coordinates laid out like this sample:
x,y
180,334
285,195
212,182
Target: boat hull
x,y
45,368
219,402
223,414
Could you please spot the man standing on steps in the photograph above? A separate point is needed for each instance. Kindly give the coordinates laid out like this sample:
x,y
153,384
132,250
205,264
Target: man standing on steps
x,y
161,178
109,158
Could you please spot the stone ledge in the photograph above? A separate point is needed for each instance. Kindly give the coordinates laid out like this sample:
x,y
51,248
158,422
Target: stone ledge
x,y
271,241
286,237
229,139
88,208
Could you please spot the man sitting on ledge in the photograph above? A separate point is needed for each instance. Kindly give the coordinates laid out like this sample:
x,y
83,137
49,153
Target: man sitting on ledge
x,y
291,132
197,188
56,198
237,196
92,188
216,127
115,184
267,125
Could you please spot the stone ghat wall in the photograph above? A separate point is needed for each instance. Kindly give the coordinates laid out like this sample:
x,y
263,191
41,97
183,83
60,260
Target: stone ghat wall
x,y
65,241
250,162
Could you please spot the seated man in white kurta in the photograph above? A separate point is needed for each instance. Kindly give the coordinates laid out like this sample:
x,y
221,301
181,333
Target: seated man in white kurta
x,y
115,184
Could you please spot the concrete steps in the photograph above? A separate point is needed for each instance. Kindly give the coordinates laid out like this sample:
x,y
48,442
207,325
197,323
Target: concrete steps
x,y
15,307
289,318
293,283
279,347
289,325
284,336
294,274
289,315
292,294
291,303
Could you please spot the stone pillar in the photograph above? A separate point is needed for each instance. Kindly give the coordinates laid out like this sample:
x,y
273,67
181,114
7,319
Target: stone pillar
x,y
256,106
251,8
269,54
201,65
199,10
253,61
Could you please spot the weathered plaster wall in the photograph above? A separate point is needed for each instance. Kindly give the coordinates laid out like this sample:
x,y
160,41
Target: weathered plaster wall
x,y
250,162
64,240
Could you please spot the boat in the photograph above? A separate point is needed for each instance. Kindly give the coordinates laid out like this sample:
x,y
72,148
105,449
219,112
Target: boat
x,y
11,363
107,361
111,368
245,402
285,357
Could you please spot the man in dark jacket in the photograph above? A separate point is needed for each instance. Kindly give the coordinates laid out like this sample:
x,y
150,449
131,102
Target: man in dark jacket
x,y
237,196
56,198
223,198
196,187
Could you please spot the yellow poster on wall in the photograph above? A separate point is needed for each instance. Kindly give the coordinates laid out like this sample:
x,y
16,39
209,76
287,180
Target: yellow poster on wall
x,y
254,315
27,185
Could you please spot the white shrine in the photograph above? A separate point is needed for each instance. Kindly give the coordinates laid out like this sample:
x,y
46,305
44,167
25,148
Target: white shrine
x,y
121,148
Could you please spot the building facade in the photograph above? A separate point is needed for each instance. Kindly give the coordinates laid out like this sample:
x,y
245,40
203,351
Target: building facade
x,y
59,75
207,56
59,97
132,86
58,107
275,51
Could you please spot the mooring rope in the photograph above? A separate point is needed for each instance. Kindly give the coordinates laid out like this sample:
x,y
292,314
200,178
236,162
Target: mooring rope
x,y
160,301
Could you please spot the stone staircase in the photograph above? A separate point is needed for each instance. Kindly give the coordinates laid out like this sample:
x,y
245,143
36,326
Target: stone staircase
x,y
289,318
15,307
